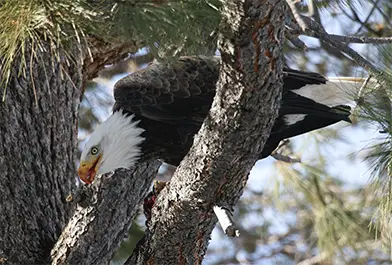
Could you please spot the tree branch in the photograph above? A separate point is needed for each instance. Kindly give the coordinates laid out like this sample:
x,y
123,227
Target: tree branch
x,y
317,30
225,219
297,42
101,53
104,211
365,22
284,158
295,12
361,39
228,144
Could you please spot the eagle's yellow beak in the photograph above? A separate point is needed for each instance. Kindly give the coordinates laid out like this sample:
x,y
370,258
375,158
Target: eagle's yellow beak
x,y
88,169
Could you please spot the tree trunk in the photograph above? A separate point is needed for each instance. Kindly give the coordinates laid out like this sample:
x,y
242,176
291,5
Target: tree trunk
x,y
216,169
39,198
38,135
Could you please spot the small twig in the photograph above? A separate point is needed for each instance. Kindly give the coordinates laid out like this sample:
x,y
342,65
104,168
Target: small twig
x,y
296,14
281,157
284,158
360,92
226,222
361,39
282,144
367,18
297,42
387,19
356,18
317,30
315,259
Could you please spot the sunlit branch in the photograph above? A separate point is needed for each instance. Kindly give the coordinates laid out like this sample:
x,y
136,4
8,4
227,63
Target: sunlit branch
x,y
296,14
361,39
226,221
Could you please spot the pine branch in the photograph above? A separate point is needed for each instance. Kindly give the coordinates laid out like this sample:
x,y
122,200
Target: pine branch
x,y
365,22
297,42
284,158
102,53
122,25
360,39
297,16
318,31
183,217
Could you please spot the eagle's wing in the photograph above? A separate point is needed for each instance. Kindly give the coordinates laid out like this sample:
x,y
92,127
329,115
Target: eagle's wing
x,y
180,91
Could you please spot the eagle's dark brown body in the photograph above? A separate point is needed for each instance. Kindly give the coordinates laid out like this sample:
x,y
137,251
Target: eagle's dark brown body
x,y
171,101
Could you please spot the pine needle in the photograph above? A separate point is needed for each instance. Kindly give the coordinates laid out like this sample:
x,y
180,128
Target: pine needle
x,y
55,26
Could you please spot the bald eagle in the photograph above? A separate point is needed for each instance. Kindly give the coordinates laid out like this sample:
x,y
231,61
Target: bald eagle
x,y
159,109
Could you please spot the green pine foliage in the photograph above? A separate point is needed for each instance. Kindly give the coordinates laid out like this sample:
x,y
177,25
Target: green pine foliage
x,y
376,108
337,217
170,27
174,27
30,25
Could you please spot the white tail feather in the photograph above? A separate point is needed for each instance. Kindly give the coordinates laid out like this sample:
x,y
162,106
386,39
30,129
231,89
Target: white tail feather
x,y
336,91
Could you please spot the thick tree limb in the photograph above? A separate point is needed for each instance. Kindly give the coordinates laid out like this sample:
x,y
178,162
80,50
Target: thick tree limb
x,y
103,216
101,53
216,169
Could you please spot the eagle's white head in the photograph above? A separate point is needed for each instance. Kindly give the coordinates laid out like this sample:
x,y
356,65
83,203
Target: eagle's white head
x,y
114,144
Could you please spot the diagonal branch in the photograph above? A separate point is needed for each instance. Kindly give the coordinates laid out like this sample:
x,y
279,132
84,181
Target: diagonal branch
x,y
361,39
365,22
103,216
216,168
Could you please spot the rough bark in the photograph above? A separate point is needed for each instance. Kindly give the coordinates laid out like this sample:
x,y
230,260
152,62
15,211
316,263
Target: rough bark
x,y
38,136
103,216
101,54
216,169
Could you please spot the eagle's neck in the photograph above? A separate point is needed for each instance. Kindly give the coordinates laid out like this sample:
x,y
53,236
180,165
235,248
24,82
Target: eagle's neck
x,y
121,142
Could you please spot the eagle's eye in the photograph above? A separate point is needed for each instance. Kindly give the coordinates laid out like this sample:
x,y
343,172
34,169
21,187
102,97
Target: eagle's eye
x,y
94,150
